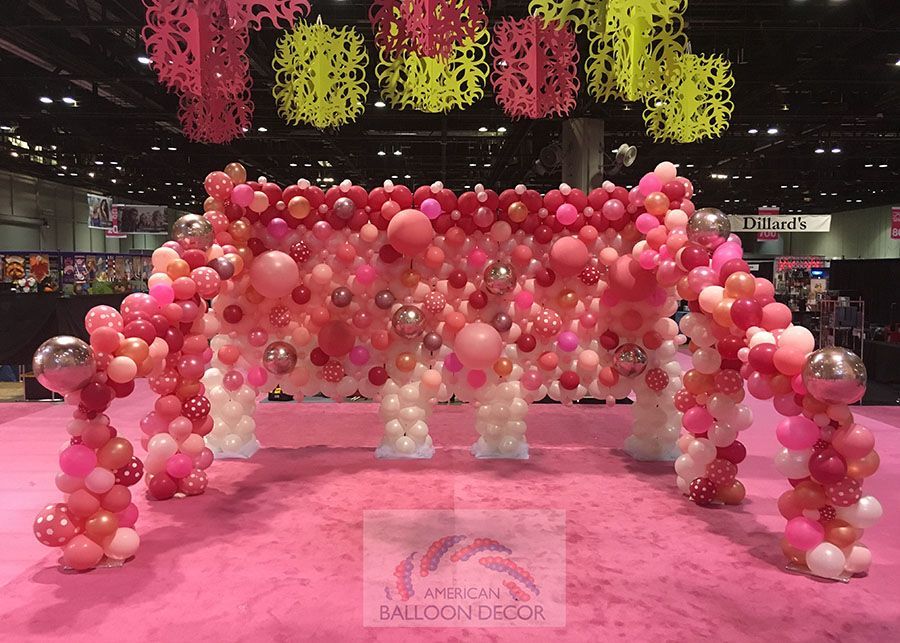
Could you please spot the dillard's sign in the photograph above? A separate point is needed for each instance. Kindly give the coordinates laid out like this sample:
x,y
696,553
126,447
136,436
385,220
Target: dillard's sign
x,y
780,223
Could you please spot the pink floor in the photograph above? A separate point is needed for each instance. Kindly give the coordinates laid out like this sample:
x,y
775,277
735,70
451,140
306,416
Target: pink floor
x,y
273,550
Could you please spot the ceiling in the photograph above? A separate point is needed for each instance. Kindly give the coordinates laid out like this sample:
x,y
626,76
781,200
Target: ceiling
x,y
810,74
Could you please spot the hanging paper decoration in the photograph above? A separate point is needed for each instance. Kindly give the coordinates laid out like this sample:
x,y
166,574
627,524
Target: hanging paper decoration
x,y
435,84
579,14
629,52
429,28
199,50
320,75
694,104
535,68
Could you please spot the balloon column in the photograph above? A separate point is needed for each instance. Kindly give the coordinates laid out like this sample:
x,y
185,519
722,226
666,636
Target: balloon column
x,y
412,296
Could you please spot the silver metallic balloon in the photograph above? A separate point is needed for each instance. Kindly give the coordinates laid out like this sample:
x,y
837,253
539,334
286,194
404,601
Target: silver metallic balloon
x,y
835,375
709,227
193,231
502,322
432,341
279,358
629,360
64,364
341,297
499,278
384,299
408,321
344,208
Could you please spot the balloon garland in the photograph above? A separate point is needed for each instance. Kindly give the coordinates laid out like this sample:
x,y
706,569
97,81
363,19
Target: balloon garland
x,y
535,68
409,297
320,75
694,104
432,84
424,27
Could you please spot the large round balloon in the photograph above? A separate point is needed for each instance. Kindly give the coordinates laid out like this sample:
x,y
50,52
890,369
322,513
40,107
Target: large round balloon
x,y
835,375
64,364
336,338
629,360
410,232
193,231
568,256
279,358
478,345
274,274
709,227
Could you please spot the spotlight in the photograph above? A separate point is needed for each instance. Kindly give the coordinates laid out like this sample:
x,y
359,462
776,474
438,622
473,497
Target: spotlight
x,y
819,150
382,153
835,150
379,103
482,129
501,129
68,100
752,130
143,60
46,100
772,130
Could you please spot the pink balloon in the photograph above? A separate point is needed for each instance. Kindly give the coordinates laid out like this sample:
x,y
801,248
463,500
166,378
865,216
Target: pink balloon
x,y
531,380
366,274
566,214
804,533
650,183
614,209
524,299
278,227
410,232
646,222
697,420
797,432
478,345
431,208
257,376
77,460
476,378
179,466
452,363
242,195
568,256
359,355
274,274
163,293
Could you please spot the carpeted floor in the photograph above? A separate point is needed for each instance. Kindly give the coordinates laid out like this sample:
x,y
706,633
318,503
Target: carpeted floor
x,y
273,550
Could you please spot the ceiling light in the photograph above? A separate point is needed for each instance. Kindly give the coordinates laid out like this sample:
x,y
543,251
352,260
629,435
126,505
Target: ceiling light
x,y
748,176
98,162
168,183
382,153
68,100
60,174
73,173
394,176
487,164
482,129
155,148
398,153
307,165
6,128
91,174
883,165
379,103
144,60
15,155
689,165
835,150
262,129
820,150
407,176
870,165
752,130
473,164
293,165
172,148
772,130
859,200
501,129
897,63
46,100
795,186
784,187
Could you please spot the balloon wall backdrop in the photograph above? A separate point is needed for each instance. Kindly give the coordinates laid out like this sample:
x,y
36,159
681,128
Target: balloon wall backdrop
x,y
410,297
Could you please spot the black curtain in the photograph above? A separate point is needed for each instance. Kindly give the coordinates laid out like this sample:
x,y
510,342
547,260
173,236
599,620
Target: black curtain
x,y
27,320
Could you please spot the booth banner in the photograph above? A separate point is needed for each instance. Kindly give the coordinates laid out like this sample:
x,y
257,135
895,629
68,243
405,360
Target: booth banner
x,y
100,212
763,212
895,222
781,223
140,219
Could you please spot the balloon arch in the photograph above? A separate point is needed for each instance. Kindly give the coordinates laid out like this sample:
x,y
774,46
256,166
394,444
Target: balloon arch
x,y
410,298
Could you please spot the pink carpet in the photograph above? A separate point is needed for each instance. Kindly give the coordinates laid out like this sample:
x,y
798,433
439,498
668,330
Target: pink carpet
x,y
273,551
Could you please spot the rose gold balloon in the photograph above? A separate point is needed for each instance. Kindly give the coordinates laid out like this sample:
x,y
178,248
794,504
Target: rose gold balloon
x,y
740,284
410,278
240,230
810,495
835,376
101,525
115,454
503,366
64,364
793,554
567,299
279,358
135,348
656,203
406,362
841,533
517,212
733,494
212,203
236,172
864,467
298,207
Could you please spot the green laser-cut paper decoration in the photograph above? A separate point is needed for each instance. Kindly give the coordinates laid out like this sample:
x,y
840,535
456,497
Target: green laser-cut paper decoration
x,y
694,104
628,56
579,14
320,75
435,84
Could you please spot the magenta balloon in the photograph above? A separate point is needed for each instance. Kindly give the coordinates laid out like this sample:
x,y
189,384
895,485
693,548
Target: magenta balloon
x,y
77,460
797,432
745,313
242,195
478,345
410,232
650,183
274,274
697,420
804,533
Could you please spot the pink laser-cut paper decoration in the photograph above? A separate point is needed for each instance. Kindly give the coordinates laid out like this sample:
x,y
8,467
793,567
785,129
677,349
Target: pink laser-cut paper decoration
x,y
535,68
215,119
174,34
429,28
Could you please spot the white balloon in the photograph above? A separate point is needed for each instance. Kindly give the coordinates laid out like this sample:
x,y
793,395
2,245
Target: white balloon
x,y
793,464
826,560
858,560
863,514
